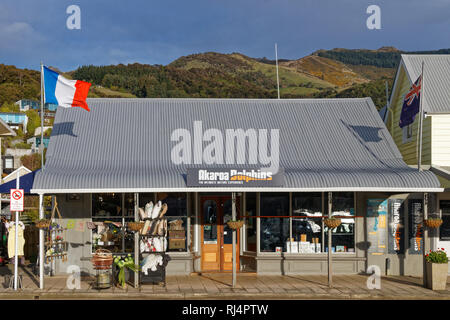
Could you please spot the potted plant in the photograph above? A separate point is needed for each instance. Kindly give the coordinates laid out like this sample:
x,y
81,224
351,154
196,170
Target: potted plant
x,y
121,263
437,269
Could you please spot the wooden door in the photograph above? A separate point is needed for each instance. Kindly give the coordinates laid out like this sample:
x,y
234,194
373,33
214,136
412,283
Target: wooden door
x,y
217,248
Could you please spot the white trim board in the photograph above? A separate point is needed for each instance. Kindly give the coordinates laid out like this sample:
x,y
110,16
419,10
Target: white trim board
x,y
219,189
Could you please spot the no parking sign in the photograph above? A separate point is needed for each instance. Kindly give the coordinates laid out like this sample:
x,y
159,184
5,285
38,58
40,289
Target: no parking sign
x,y
16,200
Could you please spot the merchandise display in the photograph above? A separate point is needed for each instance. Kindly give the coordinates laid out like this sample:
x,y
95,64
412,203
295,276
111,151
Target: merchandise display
x,y
152,243
11,227
55,245
177,235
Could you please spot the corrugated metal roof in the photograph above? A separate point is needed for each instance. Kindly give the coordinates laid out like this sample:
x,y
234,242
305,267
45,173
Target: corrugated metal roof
x,y
436,79
125,144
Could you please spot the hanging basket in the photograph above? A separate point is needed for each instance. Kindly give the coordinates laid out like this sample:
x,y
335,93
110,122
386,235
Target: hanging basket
x,y
235,224
102,259
43,223
332,223
135,226
433,223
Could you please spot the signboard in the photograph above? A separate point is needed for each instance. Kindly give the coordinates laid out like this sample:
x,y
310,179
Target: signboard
x,y
16,202
234,178
415,230
396,228
377,225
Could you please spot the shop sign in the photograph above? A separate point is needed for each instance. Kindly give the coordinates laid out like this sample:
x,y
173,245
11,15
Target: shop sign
x,y
415,224
396,233
237,177
377,225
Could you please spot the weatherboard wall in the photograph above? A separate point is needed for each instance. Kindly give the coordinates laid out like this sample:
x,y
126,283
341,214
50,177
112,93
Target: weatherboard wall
x,y
440,147
408,149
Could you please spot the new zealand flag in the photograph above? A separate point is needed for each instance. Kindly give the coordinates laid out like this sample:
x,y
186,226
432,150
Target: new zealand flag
x,y
411,104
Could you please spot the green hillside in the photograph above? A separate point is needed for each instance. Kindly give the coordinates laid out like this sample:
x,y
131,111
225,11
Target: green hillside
x,y
325,73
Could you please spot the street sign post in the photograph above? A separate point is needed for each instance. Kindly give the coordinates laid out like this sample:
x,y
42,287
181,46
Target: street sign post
x,y
16,204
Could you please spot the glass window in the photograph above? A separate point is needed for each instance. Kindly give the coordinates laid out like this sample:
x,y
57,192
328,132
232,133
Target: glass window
x,y
343,237
176,219
305,228
210,222
250,223
9,163
274,231
110,212
444,230
107,205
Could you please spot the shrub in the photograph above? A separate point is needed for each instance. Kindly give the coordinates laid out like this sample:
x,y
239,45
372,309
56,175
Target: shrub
x,y
438,256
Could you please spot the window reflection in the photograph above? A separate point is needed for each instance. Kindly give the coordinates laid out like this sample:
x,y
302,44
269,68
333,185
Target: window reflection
x,y
209,222
274,231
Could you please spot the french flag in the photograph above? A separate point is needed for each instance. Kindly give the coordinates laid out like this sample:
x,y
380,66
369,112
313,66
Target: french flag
x,y
64,92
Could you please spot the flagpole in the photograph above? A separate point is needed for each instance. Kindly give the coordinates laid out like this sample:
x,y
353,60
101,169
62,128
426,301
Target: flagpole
x,y
41,147
422,87
278,78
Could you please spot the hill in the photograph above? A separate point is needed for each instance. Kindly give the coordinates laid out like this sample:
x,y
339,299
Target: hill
x,y
324,73
16,84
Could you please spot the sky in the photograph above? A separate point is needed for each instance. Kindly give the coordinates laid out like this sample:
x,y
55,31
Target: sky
x,y
158,32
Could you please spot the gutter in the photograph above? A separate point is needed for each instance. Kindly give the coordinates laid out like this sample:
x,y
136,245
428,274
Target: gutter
x,y
218,189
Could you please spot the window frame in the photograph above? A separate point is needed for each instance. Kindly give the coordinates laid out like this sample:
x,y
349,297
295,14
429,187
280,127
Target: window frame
x,y
407,133
323,242
122,217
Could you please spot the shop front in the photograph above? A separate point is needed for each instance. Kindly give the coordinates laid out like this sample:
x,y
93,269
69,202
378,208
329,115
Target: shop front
x,y
335,158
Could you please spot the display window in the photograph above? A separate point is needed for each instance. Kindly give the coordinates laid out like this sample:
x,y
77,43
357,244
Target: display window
x,y
343,237
176,215
444,230
299,228
110,213
307,225
274,221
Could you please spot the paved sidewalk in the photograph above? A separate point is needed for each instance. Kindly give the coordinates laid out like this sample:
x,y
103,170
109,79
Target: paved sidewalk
x,y
218,286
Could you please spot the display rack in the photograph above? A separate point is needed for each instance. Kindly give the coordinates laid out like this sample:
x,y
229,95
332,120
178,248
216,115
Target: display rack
x,y
55,249
158,276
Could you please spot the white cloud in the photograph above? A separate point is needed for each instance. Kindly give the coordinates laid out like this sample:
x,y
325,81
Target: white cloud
x,y
17,35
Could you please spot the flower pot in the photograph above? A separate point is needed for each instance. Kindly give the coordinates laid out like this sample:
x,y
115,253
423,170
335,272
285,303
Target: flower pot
x,y
437,275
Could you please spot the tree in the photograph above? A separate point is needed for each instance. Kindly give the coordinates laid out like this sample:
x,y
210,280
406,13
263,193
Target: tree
x,y
34,121
32,161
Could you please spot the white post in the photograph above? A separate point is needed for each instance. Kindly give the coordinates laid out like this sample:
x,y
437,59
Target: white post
x,y
41,243
233,217
16,245
136,240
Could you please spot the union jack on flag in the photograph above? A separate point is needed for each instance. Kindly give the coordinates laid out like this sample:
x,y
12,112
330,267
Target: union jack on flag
x,y
411,104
